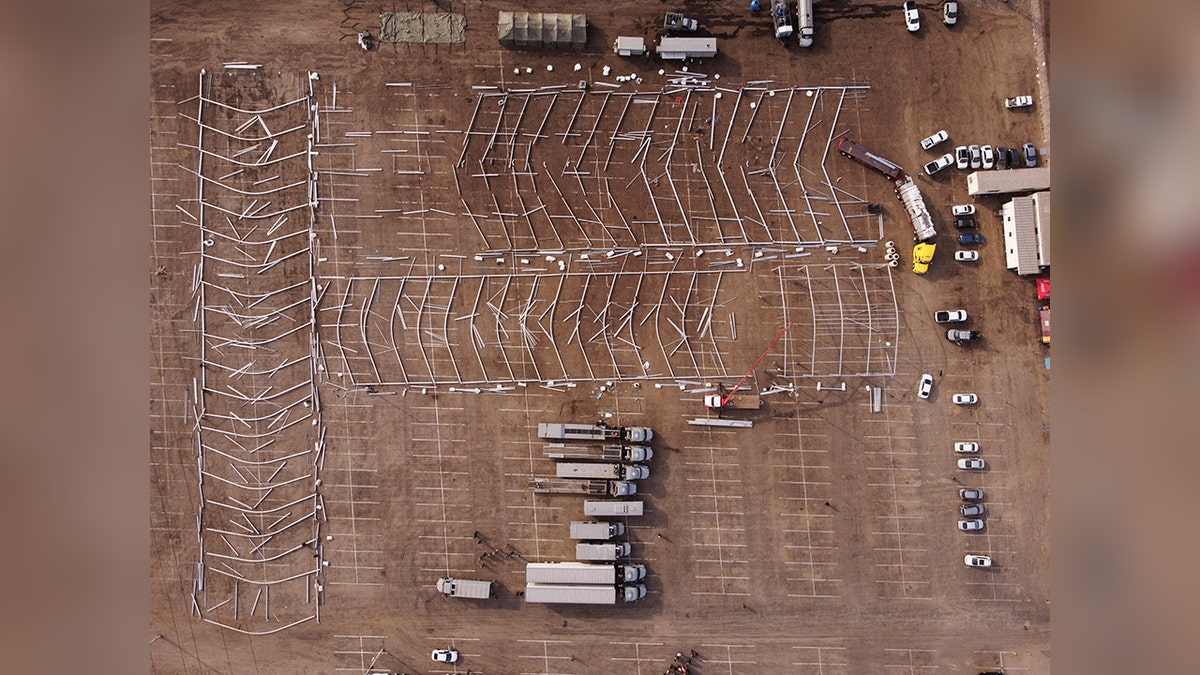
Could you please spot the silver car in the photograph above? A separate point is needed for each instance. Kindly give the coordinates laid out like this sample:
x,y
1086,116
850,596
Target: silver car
x,y
971,510
971,494
974,525
976,156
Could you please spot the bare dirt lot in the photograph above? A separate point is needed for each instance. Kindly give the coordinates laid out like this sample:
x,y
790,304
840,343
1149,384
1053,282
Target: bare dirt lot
x,y
370,285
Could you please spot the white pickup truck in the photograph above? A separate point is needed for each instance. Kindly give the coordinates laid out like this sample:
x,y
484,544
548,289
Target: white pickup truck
x,y
1018,102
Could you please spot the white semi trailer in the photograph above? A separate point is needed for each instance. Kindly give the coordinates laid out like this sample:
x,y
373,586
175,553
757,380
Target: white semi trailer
x,y
596,530
582,573
604,453
608,551
596,507
593,432
597,470
572,594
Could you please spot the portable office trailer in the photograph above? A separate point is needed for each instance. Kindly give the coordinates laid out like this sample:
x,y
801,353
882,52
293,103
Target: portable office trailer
x,y
680,48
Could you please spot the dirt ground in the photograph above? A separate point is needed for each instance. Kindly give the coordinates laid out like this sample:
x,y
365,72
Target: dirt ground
x,y
822,540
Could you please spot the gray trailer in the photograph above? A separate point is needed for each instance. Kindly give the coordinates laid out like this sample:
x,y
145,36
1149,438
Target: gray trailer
x,y
604,453
597,470
593,432
607,551
465,588
680,48
595,507
572,594
596,530
582,573
595,487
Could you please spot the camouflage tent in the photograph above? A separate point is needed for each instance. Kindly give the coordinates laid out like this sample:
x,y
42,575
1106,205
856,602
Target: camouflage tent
x,y
538,29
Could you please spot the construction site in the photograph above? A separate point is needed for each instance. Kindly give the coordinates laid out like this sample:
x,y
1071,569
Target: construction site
x,y
474,338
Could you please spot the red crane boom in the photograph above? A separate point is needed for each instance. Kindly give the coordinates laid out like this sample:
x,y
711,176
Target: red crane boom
x,y
725,399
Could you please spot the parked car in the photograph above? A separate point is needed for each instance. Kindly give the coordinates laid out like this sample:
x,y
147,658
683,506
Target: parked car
x,y
950,315
445,655
976,156
966,256
989,157
929,142
962,156
966,446
971,494
1002,157
963,210
965,399
970,238
959,336
967,223
912,20
970,525
977,561
1031,155
926,386
939,164
1014,158
950,12
972,464
1018,102
972,510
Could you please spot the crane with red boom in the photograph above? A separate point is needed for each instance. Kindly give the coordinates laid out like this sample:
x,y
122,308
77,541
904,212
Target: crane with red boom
x,y
727,400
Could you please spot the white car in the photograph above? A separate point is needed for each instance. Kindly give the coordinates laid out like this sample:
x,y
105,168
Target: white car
x,y
976,156
977,560
912,20
966,446
970,525
989,157
928,142
939,164
1018,102
963,209
962,157
949,12
445,655
950,315
926,386
965,399
966,256
972,464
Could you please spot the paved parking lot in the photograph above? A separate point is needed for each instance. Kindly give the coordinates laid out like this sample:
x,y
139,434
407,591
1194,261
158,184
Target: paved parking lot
x,y
821,540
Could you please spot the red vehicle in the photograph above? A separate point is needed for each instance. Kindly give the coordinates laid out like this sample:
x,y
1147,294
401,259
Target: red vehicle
x,y
860,154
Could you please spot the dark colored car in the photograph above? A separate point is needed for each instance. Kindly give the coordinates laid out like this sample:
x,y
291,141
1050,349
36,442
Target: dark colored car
x,y
970,238
1014,158
1001,157
965,223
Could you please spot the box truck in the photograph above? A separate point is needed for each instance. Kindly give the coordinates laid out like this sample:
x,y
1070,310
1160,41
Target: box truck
x,y
609,551
594,529
595,507
582,573
465,588
583,594
596,470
